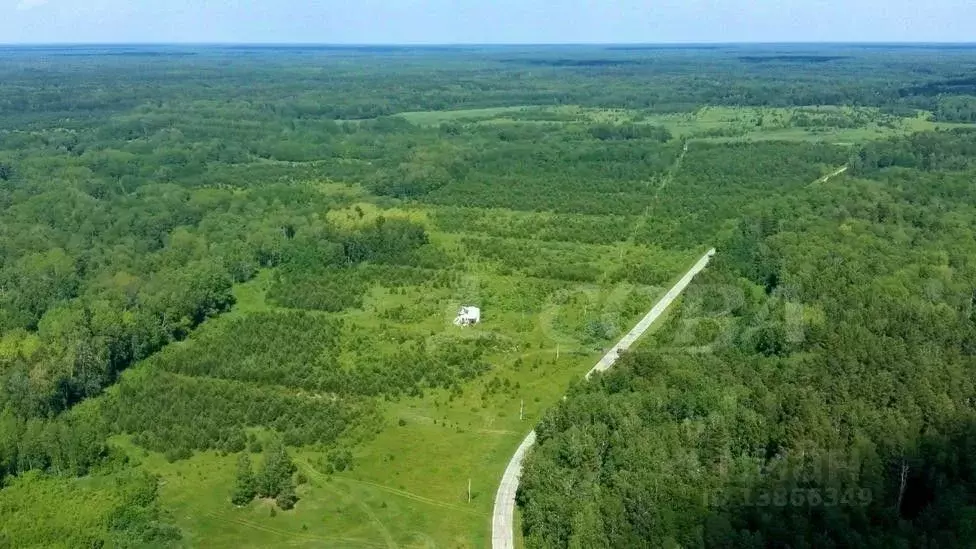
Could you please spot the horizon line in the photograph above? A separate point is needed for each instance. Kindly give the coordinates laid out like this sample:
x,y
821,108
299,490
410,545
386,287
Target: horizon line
x,y
489,44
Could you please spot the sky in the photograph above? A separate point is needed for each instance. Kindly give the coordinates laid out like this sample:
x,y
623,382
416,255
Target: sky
x,y
485,21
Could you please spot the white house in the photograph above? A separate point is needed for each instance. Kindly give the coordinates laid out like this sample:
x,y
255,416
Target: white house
x,y
467,316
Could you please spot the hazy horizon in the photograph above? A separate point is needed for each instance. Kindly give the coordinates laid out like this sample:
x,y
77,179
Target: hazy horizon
x,y
501,22
497,44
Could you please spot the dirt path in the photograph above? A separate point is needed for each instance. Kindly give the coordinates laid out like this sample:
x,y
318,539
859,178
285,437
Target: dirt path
x,y
832,175
674,168
665,181
503,516
323,481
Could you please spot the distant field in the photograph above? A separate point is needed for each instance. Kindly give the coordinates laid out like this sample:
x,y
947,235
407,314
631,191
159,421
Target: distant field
x,y
433,118
840,125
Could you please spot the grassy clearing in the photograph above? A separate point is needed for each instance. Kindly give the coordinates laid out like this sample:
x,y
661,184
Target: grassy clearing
x,y
364,213
839,125
433,118
195,492
409,483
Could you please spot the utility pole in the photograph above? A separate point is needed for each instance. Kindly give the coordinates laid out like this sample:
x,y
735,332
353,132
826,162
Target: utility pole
x,y
469,490
522,410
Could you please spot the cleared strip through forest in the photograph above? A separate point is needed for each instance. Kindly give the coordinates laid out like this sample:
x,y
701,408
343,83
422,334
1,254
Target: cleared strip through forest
x,y
503,516
833,174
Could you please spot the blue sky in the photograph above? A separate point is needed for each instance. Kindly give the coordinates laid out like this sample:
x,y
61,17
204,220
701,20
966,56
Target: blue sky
x,y
486,21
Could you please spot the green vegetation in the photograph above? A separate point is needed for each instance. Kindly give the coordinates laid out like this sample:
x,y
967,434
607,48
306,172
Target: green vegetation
x,y
120,510
228,277
833,406
246,486
274,480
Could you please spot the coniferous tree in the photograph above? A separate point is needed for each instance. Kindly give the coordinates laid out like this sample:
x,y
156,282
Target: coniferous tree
x,y
245,486
286,497
276,472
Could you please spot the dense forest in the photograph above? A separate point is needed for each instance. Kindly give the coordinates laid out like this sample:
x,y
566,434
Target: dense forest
x,y
255,253
834,406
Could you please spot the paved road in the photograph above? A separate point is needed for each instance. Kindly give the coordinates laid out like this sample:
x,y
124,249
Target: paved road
x,y
503,517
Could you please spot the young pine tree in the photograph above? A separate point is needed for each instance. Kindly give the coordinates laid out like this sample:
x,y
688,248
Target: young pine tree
x,y
286,496
246,487
277,470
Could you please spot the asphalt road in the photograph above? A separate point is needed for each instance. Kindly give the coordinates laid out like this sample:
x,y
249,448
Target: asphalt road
x,y
503,516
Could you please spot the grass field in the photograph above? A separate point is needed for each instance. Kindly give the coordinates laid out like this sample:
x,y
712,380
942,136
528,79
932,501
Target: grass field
x,y
432,118
840,125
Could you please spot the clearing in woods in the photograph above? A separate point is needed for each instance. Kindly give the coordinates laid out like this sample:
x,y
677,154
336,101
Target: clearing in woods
x,y
408,484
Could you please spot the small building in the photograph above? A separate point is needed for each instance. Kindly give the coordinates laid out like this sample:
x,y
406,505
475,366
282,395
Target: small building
x,y
467,316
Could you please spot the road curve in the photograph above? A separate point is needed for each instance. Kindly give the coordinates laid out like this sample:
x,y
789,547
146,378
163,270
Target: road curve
x,y
503,516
